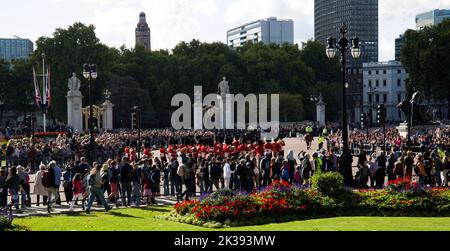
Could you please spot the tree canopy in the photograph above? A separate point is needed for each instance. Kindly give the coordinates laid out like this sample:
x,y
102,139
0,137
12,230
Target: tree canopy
x,y
426,56
137,76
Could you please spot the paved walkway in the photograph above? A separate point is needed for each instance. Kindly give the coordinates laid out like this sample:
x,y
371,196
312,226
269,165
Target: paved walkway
x,y
64,208
296,144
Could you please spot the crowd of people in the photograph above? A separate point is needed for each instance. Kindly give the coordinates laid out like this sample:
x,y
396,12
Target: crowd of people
x,y
188,163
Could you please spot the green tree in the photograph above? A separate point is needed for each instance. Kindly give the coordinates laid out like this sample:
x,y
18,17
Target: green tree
x,y
125,94
325,70
66,52
291,107
426,56
18,91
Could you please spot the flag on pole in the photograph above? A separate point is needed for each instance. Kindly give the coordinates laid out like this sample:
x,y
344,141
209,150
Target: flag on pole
x,y
47,91
37,96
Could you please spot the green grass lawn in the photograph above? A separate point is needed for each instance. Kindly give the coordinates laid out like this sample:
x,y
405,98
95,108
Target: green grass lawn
x,y
140,219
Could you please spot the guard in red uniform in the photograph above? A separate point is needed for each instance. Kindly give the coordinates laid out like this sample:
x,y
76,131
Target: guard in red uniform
x,y
276,147
268,148
225,150
259,149
162,154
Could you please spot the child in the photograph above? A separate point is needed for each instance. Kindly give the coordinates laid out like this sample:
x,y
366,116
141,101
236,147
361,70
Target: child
x,y
77,190
297,176
148,190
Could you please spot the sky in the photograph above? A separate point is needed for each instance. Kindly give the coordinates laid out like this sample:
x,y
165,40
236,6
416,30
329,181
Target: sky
x,y
173,21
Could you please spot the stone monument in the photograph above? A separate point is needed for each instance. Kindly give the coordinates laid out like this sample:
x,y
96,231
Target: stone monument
x,y
107,111
225,106
74,104
320,110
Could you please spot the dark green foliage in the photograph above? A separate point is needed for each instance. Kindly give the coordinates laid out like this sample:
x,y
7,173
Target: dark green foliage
x,y
426,55
329,183
293,72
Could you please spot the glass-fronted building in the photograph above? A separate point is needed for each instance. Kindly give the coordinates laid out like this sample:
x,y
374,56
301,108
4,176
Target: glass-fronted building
x,y
361,17
15,48
399,42
431,18
268,31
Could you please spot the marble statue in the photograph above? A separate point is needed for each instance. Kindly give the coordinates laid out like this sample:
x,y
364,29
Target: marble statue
x,y
74,83
224,89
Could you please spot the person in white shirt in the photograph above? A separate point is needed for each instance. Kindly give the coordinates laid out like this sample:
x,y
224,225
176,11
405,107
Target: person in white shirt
x,y
227,173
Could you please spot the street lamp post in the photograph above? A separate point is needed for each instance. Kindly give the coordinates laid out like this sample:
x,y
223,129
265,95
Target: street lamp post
x,y
342,46
414,99
31,121
315,100
90,73
137,112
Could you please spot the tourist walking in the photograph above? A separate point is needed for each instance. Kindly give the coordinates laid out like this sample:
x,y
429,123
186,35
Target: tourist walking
x,y
39,189
77,190
136,185
13,185
125,181
49,181
306,169
113,176
95,189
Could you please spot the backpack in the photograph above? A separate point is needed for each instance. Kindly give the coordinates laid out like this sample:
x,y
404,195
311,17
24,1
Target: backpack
x,y
47,179
285,174
91,180
155,176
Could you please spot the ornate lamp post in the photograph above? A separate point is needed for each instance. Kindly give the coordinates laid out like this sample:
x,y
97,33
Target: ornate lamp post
x,y
342,46
90,73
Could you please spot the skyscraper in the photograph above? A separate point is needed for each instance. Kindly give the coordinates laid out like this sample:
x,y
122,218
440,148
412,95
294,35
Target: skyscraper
x,y
143,32
361,17
431,18
399,42
268,31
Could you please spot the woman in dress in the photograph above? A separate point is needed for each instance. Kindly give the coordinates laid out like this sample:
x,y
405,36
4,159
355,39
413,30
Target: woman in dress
x,y
39,188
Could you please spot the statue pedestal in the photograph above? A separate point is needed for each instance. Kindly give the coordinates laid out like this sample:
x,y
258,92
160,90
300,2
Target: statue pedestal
x,y
320,110
74,110
107,115
403,130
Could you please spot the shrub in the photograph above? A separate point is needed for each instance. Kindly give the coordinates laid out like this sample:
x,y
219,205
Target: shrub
x,y
5,220
329,183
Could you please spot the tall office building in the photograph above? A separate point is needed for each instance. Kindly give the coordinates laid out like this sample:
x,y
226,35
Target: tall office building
x,y
399,42
143,32
361,17
431,18
270,30
15,48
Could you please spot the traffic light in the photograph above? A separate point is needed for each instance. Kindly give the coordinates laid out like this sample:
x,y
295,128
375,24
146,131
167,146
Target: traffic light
x,y
381,115
135,117
133,120
363,120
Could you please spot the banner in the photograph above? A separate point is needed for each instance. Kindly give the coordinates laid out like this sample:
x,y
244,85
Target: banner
x,y
37,96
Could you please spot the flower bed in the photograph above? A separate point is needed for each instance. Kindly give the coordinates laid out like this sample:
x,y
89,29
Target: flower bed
x,y
282,202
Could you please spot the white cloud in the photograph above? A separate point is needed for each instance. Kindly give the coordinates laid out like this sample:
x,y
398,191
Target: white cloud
x,y
172,21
